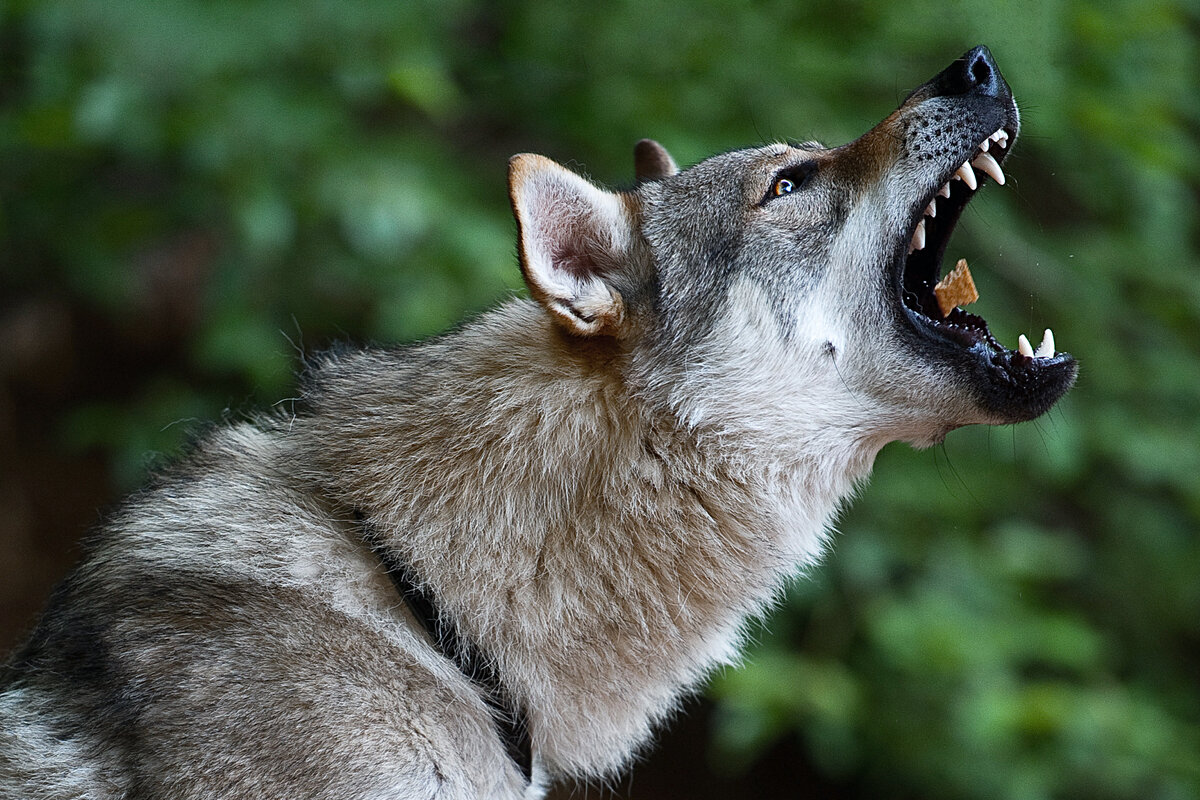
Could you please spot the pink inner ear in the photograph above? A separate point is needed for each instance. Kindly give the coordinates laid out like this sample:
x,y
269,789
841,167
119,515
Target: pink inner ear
x,y
561,230
572,259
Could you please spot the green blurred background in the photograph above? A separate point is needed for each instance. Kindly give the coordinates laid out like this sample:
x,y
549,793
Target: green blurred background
x,y
192,192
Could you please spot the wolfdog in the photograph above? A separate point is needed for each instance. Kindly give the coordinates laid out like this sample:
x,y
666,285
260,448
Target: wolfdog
x,y
468,567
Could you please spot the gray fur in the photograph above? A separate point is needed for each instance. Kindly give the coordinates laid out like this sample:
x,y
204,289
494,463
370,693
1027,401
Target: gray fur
x,y
600,486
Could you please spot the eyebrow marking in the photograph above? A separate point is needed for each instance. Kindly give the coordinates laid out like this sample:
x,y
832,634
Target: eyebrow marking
x,y
810,144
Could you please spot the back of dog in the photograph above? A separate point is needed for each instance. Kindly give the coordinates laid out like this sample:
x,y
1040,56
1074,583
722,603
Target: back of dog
x,y
225,637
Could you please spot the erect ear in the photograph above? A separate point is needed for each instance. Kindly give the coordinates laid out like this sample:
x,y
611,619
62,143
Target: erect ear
x,y
651,161
573,238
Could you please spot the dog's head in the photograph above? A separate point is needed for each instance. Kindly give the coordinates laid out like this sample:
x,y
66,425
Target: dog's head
x,y
796,284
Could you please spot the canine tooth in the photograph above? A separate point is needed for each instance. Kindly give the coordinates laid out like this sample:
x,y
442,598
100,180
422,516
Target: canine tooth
x,y
918,239
1023,346
989,165
968,176
1046,348
944,191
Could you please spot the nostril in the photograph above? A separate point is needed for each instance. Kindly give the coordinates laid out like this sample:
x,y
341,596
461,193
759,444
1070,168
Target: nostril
x,y
978,73
981,72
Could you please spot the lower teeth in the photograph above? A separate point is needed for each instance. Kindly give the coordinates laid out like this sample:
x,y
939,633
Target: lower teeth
x,y
1045,349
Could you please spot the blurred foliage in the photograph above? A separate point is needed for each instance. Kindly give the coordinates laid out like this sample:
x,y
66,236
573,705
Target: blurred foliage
x,y
1013,615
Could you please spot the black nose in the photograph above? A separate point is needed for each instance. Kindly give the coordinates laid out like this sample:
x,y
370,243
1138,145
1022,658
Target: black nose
x,y
975,73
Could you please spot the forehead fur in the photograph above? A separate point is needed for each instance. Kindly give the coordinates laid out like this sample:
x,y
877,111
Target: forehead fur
x,y
710,227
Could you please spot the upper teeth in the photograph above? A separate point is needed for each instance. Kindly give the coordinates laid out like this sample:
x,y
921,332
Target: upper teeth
x,y
967,176
918,240
991,166
986,163
982,160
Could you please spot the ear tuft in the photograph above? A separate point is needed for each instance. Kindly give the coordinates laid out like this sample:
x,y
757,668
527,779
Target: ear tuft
x,y
651,161
573,237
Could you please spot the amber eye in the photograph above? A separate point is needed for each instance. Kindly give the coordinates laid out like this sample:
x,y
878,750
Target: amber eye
x,y
793,179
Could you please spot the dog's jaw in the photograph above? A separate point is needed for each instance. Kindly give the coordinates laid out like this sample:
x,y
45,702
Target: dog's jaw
x,y
955,134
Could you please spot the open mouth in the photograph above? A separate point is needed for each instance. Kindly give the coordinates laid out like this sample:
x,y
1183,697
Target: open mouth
x,y
934,303
956,131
